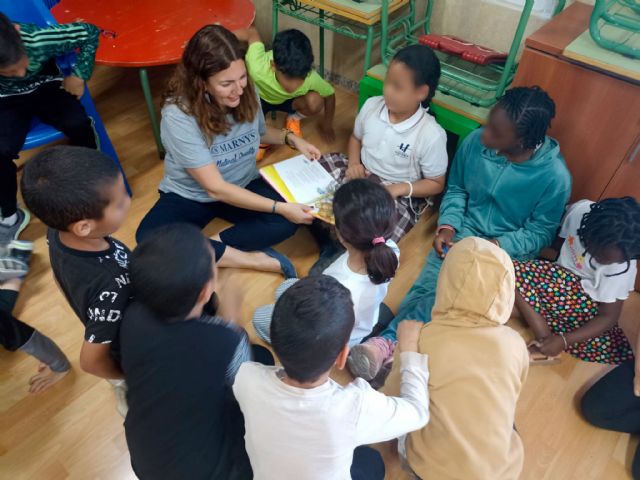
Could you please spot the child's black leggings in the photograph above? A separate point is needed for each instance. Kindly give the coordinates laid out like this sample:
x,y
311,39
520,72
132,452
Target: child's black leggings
x,y
13,332
611,404
367,464
53,106
17,335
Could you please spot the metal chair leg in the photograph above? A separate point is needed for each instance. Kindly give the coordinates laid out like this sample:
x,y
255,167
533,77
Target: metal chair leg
x,y
148,98
321,35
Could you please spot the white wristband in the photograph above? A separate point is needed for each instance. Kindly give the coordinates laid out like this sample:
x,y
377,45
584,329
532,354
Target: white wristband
x,y
410,190
564,339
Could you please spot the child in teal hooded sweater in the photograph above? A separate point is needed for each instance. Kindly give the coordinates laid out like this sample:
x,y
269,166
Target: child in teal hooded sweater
x,y
509,184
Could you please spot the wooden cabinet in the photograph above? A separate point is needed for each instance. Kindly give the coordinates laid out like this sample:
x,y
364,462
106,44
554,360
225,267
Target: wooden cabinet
x,y
627,177
597,113
626,180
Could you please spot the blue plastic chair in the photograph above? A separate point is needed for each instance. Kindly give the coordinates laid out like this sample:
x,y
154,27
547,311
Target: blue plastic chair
x,y
37,12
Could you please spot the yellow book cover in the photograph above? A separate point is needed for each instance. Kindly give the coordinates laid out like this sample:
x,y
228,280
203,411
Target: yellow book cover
x,y
300,180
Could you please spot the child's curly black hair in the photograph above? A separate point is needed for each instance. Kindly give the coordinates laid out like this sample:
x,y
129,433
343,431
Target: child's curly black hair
x,y
613,222
64,184
292,53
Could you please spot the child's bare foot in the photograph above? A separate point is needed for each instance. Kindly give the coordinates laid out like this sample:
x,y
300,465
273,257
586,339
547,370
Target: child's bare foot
x,y
44,378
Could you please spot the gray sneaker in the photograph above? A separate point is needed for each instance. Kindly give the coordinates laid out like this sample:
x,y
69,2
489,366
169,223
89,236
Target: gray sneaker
x,y
13,232
14,259
12,268
21,250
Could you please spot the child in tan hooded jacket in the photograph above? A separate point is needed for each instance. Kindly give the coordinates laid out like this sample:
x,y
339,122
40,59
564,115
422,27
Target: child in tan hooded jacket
x,y
477,368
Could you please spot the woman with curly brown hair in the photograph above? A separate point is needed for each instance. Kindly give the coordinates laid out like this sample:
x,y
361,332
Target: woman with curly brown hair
x,y
212,125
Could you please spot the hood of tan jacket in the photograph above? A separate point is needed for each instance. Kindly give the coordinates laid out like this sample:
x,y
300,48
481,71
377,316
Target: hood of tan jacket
x,y
477,367
476,286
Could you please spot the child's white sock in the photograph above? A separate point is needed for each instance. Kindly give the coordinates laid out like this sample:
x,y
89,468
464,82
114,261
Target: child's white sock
x,y
296,116
9,221
120,392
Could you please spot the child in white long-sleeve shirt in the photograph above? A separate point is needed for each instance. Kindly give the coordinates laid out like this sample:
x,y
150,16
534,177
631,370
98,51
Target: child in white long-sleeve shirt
x,y
304,425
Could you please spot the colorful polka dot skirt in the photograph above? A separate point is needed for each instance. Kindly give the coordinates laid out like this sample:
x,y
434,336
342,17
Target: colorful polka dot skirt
x,y
557,295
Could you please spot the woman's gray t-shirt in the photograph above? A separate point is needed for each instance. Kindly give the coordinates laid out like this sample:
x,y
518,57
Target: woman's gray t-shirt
x,y
234,153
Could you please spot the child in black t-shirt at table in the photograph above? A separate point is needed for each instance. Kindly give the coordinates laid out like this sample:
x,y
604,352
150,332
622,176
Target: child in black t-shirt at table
x,y
79,193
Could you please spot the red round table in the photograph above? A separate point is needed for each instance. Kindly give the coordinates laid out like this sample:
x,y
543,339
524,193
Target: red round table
x,y
147,33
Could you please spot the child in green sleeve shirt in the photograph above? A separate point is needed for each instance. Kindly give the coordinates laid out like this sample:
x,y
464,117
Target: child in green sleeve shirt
x,y
287,82
32,85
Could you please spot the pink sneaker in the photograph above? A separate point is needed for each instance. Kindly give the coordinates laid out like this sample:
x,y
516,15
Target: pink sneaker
x,y
366,360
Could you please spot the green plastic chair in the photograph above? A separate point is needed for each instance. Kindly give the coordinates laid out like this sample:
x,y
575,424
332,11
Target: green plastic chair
x,y
615,25
480,85
312,14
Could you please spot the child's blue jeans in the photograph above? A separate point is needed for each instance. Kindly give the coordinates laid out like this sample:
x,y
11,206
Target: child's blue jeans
x,y
418,303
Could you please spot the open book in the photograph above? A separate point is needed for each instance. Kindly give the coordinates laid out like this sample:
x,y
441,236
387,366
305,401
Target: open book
x,y
299,180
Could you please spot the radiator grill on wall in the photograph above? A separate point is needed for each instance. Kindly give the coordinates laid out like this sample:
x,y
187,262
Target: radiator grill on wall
x,y
541,8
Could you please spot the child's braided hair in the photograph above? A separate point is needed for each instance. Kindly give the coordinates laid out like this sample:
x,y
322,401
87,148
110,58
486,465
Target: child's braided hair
x,y
613,222
531,110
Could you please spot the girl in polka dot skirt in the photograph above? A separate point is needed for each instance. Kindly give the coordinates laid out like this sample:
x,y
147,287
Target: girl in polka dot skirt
x,y
573,304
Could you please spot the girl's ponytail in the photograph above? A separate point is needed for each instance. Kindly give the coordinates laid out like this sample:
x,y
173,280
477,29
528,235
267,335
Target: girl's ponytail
x,y
381,261
365,216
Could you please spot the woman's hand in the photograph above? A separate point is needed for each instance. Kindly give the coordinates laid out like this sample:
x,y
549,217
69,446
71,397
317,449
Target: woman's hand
x,y
295,212
307,149
355,171
444,240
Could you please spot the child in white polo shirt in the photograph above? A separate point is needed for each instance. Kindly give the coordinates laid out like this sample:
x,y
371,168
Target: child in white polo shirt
x,y
396,141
